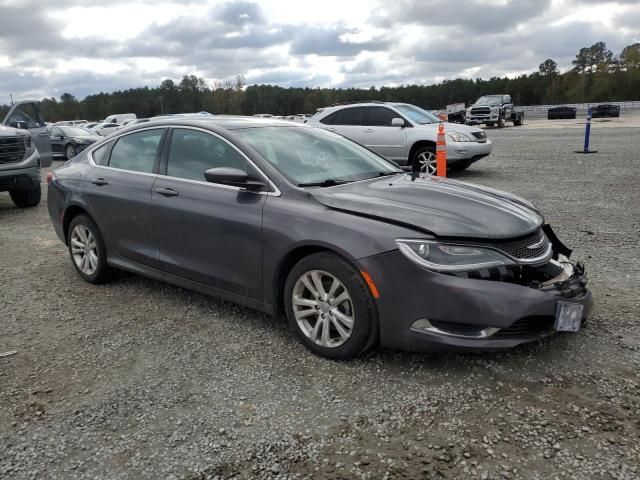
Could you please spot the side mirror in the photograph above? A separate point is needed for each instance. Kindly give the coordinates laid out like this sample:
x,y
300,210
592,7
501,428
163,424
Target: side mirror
x,y
397,122
233,177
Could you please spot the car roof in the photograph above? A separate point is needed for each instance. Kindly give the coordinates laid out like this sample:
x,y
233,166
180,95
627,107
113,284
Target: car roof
x,y
227,122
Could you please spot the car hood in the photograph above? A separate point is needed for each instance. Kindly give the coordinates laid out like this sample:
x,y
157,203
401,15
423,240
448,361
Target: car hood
x,y
443,207
6,131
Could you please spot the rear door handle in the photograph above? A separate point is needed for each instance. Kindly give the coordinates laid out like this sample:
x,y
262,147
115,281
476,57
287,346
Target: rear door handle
x,y
99,181
167,192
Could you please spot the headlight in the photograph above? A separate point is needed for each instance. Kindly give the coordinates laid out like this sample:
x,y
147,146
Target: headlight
x,y
81,141
442,257
494,109
458,137
29,148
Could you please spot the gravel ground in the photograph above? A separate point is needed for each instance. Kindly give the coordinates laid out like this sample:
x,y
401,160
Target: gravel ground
x,y
137,379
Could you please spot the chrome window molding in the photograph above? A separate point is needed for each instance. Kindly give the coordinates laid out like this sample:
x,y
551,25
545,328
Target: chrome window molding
x,y
275,193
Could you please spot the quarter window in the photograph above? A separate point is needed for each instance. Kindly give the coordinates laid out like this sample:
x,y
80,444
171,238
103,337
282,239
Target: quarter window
x,y
380,117
192,153
136,151
101,155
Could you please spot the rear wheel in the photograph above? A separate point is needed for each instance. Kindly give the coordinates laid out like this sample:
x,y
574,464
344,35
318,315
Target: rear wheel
x,y
330,307
87,250
70,151
26,198
424,160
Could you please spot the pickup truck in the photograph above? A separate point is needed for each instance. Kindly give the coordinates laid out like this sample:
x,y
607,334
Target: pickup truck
x,y
25,146
494,110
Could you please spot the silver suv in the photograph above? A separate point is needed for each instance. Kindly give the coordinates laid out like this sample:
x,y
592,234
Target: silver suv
x,y
404,133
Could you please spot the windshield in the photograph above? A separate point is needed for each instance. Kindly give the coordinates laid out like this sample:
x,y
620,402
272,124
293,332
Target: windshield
x,y
416,114
312,155
74,131
490,100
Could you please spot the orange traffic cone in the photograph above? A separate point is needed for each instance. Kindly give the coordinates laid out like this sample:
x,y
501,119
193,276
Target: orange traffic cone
x,y
441,153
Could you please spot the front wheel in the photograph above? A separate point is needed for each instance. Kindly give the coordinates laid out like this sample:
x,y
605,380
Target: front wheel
x,y
87,250
424,161
329,307
26,198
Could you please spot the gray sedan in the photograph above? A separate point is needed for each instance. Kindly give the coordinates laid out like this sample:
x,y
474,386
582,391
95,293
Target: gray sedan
x,y
294,220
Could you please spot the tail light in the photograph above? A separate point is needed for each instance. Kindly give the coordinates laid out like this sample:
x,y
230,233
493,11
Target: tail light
x,y
49,177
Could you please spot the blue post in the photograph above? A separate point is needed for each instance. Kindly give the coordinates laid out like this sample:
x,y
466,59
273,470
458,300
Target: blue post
x,y
587,132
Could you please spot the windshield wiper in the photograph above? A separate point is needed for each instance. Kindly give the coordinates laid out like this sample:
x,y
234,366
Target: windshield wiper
x,y
329,182
386,174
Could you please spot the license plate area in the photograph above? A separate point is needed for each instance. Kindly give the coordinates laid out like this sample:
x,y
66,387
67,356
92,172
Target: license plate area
x,y
568,317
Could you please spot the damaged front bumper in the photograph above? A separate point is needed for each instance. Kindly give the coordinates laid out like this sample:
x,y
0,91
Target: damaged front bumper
x,y
420,310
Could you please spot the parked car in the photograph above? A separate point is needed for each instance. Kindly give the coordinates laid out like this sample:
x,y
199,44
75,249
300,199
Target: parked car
x,y
282,217
120,118
404,133
106,128
494,110
90,125
605,110
555,113
26,115
19,167
67,142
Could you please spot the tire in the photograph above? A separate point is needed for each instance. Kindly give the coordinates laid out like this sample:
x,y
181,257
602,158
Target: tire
x,y
322,325
98,271
26,198
418,158
501,121
489,124
69,151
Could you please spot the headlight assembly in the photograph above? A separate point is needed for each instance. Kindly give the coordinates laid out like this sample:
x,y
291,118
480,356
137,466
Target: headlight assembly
x,y
29,148
443,257
458,137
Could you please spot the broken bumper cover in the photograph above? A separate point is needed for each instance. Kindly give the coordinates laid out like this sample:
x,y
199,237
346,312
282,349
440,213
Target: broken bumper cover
x,y
420,310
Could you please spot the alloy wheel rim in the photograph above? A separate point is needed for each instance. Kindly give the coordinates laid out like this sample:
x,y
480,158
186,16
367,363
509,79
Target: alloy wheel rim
x,y
70,152
323,308
427,163
84,249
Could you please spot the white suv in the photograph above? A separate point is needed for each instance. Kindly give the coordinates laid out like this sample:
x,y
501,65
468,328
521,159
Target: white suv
x,y
404,133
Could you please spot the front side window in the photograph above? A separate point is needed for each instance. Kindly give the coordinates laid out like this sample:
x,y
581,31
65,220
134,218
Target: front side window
x,y
417,114
136,151
193,152
380,117
308,155
25,116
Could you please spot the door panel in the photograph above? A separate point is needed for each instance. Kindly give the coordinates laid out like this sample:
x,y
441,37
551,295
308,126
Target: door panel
x,y
210,234
381,137
26,115
348,122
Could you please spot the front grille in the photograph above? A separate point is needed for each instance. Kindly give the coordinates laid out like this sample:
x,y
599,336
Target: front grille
x,y
523,249
12,149
480,111
533,325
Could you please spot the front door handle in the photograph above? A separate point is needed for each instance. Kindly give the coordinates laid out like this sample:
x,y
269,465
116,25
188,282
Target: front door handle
x,y
99,181
368,130
167,192
44,134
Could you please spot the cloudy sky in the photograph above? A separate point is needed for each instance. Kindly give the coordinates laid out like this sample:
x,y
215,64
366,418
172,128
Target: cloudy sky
x,y
87,46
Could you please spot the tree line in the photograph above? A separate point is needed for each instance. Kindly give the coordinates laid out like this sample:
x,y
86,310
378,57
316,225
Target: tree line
x,y
597,76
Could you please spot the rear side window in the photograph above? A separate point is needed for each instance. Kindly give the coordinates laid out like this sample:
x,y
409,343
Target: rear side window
x,y
101,155
380,116
136,151
193,152
350,116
